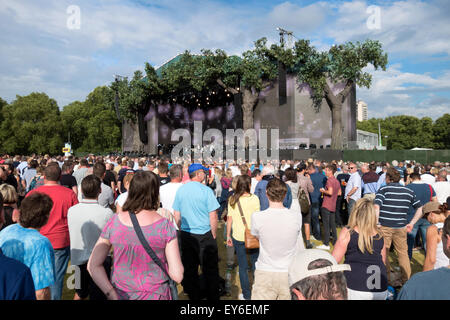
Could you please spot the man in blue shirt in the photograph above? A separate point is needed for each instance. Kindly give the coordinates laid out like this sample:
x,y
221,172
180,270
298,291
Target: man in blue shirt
x,y
195,213
319,181
260,190
425,193
23,242
16,282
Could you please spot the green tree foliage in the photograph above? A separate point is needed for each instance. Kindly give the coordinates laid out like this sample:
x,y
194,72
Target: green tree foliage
x,y
93,124
31,124
441,132
408,132
256,70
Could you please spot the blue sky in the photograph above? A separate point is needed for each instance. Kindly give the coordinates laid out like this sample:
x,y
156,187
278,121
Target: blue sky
x,y
38,52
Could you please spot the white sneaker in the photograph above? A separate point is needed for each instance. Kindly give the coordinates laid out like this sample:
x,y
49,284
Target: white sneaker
x,y
312,238
323,247
241,296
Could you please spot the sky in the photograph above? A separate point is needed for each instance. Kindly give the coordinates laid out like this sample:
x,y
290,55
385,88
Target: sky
x,y
66,48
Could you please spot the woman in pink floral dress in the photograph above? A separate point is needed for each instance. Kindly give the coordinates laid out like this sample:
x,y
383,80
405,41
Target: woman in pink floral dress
x,y
135,276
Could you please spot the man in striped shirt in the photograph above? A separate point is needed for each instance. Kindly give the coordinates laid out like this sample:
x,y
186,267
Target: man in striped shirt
x,y
392,203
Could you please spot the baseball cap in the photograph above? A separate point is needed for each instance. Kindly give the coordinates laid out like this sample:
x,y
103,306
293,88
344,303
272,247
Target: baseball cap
x,y
431,206
196,166
298,270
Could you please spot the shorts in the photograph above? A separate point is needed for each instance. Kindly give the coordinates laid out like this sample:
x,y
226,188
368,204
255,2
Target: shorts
x,y
306,217
86,286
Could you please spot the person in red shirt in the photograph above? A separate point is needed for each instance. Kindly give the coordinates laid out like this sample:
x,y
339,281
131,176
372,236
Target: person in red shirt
x,y
56,229
330,193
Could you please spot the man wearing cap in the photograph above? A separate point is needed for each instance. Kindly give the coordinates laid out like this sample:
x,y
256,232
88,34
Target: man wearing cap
x,y
315,275
195,213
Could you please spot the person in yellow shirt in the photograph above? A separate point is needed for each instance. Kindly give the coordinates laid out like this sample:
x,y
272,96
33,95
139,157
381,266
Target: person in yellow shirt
x,y
249,204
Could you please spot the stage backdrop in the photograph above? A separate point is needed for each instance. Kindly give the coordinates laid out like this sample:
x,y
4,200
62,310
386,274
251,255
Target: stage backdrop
x,y
297,120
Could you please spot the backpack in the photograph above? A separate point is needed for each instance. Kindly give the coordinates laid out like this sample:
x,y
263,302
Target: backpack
x,y
303,200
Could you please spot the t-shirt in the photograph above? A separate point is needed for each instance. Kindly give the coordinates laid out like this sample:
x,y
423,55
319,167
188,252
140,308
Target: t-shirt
x,y
280,236
121,175
354,181
394,201
135,275
319,181
80,174
429,285
250,205
343,179
86,221
163,180
428,178
121,199
32,249
195,201
167,194
68,181
329,202
29,174
442,189
105,198
109,178
16,282
260,192
56,229
423,192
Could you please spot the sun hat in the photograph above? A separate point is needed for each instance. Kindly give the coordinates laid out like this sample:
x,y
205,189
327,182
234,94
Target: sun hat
x,y
298,269
431,206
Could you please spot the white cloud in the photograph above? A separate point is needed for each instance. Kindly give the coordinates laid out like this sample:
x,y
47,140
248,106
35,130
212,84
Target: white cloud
x,y
395,92
410,27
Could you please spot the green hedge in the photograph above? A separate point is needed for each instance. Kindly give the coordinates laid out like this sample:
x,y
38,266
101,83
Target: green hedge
x,y
421,156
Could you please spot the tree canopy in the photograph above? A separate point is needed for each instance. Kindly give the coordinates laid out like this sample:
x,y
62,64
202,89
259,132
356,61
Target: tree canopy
x,y
408,132
34,124
254,71
31,124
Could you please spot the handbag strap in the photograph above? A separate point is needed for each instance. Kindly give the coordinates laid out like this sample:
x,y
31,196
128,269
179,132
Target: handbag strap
x,y
242,214
431,192
144,242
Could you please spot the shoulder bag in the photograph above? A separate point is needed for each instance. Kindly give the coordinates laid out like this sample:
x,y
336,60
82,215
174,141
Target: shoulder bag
x,y
152,254
251,242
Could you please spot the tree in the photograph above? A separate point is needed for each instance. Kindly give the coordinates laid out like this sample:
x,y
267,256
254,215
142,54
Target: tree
x,y
341,64
256,70
93,124
403,132
31,124
441,132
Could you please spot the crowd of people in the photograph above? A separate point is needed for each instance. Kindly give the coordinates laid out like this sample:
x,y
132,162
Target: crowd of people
x,y
135,227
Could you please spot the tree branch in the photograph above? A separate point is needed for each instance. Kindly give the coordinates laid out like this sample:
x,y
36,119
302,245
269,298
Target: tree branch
x,y
223,85
329,96
344,93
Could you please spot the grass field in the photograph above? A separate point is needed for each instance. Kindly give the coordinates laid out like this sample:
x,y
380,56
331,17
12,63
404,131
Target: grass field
x,y
416,266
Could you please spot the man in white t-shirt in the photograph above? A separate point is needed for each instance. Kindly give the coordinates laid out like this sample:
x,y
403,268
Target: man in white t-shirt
x,y
442,186
168,191
277,249
86,221
427,177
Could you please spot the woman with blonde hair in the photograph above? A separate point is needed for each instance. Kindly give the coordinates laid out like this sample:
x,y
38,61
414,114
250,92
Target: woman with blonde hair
x,y
10,198
363,248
